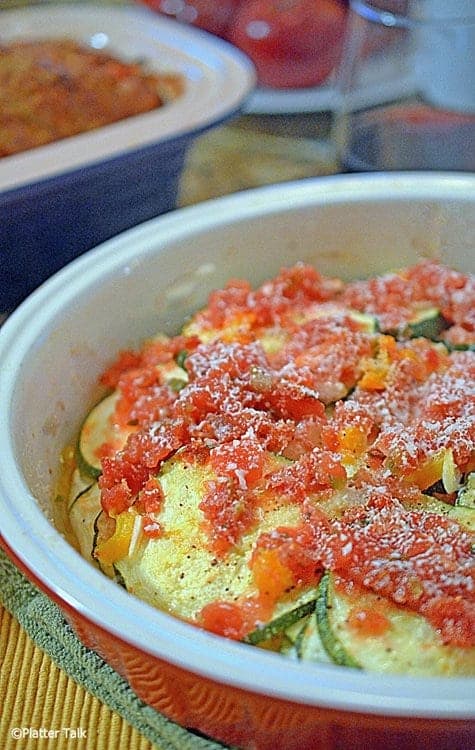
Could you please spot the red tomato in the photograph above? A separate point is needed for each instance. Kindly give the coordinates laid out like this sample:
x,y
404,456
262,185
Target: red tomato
x,y
293,43
212,15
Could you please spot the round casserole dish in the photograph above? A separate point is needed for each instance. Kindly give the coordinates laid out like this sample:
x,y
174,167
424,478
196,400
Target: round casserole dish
x,y
150,278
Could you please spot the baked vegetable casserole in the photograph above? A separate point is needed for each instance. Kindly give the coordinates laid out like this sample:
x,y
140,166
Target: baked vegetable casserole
x,y
295,469
55,88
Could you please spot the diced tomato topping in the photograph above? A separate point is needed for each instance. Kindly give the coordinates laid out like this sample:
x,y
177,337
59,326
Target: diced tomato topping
x,y
125,361
116,498
323,395
293,549
151,528
223,304
242,460
420,560
223,618
368,622
313,472
151,497
226,514
295,401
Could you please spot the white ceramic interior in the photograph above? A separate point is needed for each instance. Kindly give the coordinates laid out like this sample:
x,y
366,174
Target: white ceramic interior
x,y
58,341
217,78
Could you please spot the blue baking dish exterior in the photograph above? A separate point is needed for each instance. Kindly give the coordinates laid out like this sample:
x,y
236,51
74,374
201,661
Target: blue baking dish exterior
x,y
45,225
59,201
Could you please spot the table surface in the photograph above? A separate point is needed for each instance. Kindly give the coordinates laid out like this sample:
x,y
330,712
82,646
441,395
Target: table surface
x,y
247,152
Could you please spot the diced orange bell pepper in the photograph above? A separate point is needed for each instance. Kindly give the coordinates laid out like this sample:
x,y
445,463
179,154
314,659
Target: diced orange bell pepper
x,y
376,370
374,378
117,546
427,473
271,577
353,440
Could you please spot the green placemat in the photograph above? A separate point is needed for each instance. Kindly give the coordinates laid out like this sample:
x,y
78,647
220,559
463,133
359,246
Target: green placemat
x,y
46,626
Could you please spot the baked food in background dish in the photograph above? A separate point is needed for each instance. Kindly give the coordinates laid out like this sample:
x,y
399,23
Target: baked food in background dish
x,y
295,469
54,88
69,195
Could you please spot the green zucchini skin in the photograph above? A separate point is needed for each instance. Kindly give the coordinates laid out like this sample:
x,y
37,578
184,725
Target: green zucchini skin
x,y
428,324
86,469
309,645
330,641
99,427
466,494
95,430
84,510
280,624
459,347
409,644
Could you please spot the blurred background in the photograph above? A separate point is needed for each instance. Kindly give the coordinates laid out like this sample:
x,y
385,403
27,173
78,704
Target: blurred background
x,y
295,47
278,132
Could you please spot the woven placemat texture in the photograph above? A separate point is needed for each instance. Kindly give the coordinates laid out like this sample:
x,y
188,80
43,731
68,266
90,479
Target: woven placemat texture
x,y
74,689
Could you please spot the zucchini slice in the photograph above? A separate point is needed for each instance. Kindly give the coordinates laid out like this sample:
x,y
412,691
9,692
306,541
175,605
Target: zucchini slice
x,y
458,347
466,494
368,323
294,632
326,630
408,644
178,570
461,513
96,430
309,645
88,520
283,622
428,324
83,513
79,486
99,428
292,637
